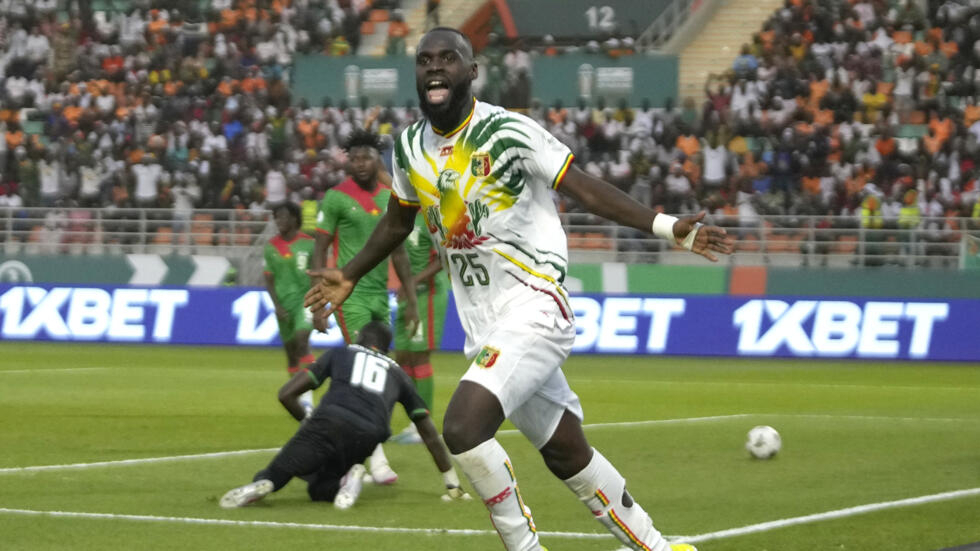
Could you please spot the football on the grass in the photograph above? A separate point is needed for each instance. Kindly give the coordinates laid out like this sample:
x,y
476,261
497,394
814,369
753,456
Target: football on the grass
x,y
763,442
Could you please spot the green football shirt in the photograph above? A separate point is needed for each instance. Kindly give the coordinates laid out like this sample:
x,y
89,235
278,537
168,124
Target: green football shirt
x,y
350,213
288,261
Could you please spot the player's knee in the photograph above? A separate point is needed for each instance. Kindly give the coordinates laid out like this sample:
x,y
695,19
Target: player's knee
x,y
457,436
566,457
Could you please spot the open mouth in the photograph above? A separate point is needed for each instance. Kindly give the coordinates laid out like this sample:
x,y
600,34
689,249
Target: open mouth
x,y
436,91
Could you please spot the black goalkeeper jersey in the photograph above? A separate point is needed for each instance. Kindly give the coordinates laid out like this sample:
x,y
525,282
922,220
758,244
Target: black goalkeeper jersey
x,y
364,387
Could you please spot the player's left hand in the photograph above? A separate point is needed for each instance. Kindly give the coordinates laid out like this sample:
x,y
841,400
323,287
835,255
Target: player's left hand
x,y
707,239
455,493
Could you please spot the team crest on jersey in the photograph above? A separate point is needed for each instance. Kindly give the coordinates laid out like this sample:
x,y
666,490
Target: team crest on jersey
x,y
458,222
487,357
480,165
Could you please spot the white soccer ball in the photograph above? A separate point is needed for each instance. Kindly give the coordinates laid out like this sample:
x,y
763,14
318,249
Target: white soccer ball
x,y
763,442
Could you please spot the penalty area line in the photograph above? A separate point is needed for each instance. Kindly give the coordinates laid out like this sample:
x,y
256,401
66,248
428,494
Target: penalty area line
x,y
828,515
299,525
139,461
36,468
53,370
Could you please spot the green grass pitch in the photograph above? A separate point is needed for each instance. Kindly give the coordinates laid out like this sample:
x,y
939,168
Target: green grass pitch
x,y
853,434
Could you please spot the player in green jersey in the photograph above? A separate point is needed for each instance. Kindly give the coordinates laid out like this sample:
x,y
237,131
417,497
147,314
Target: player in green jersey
x,y
348,214
287,257
413,349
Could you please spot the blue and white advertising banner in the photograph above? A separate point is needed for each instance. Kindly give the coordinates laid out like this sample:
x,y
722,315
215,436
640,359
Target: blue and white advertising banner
x,y
805,327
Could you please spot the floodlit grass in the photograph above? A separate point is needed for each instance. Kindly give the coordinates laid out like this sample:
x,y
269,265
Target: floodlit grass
x,y
853,434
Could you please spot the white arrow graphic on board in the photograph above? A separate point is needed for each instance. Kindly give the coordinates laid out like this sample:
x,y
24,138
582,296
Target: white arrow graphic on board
x,y
209,271
148,269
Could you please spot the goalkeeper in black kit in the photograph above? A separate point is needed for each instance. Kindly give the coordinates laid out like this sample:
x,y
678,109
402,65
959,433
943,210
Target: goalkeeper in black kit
x,y
353,417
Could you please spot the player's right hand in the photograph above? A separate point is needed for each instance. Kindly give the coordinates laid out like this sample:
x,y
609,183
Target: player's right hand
x,y
455,493
329,287
320,321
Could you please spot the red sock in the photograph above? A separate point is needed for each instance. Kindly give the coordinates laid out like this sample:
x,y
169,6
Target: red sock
x,y
422,371
293,369
409,370
307,359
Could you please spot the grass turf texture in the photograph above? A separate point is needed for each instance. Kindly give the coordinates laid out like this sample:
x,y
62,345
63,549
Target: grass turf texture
x,y
853,434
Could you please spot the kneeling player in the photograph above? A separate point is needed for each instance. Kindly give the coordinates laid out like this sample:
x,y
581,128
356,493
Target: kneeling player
x,y
352,418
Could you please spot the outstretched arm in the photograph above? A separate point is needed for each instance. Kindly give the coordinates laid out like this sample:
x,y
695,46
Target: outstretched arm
x,y
290,392
430,437
608,201
334,286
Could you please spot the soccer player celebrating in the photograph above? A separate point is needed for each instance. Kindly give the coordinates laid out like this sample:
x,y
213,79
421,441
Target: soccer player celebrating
x,y
350,420
413,349
287,257
348,214
483,178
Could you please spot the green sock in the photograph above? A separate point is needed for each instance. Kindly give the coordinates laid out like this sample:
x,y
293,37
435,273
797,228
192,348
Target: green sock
x,y
426,388
422,375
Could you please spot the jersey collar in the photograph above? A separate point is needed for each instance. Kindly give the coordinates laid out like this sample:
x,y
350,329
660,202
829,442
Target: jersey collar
x,y
461,126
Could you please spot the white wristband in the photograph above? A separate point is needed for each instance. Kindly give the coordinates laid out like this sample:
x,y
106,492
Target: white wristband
x,y
450,478
688,242
663,226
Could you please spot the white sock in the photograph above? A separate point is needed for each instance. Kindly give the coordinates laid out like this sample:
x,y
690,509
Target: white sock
x,y
492,476
602,489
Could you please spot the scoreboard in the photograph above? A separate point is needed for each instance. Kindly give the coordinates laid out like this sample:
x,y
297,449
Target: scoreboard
x,y
584,19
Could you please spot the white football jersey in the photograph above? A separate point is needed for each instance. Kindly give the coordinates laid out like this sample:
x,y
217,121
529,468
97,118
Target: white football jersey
x,y
485,190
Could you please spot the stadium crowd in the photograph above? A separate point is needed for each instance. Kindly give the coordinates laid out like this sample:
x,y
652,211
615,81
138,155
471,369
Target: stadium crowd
x,y
146,107
864,112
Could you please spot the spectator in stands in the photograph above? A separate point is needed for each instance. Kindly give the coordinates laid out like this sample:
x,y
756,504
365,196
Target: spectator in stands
x,y
147,175
745,65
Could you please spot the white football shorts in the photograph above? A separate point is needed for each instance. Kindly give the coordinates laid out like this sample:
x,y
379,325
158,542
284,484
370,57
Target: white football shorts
x,y
520,363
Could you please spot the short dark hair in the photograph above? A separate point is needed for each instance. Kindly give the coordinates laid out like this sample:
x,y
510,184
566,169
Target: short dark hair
x,y
293,210
363,138
375,335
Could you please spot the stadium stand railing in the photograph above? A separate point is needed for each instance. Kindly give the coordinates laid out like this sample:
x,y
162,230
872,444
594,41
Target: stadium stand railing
x,y
668,23
239,235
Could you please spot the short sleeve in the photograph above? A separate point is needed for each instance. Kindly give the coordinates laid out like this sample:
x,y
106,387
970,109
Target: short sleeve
x,y
322,368
401,184
551,158
327,217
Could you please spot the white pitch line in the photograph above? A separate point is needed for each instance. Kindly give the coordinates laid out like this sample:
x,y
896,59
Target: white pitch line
x,y
271,524
839,513
875,417
650,422
55,370
121,462
36,468
508,432
721,534
809,386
